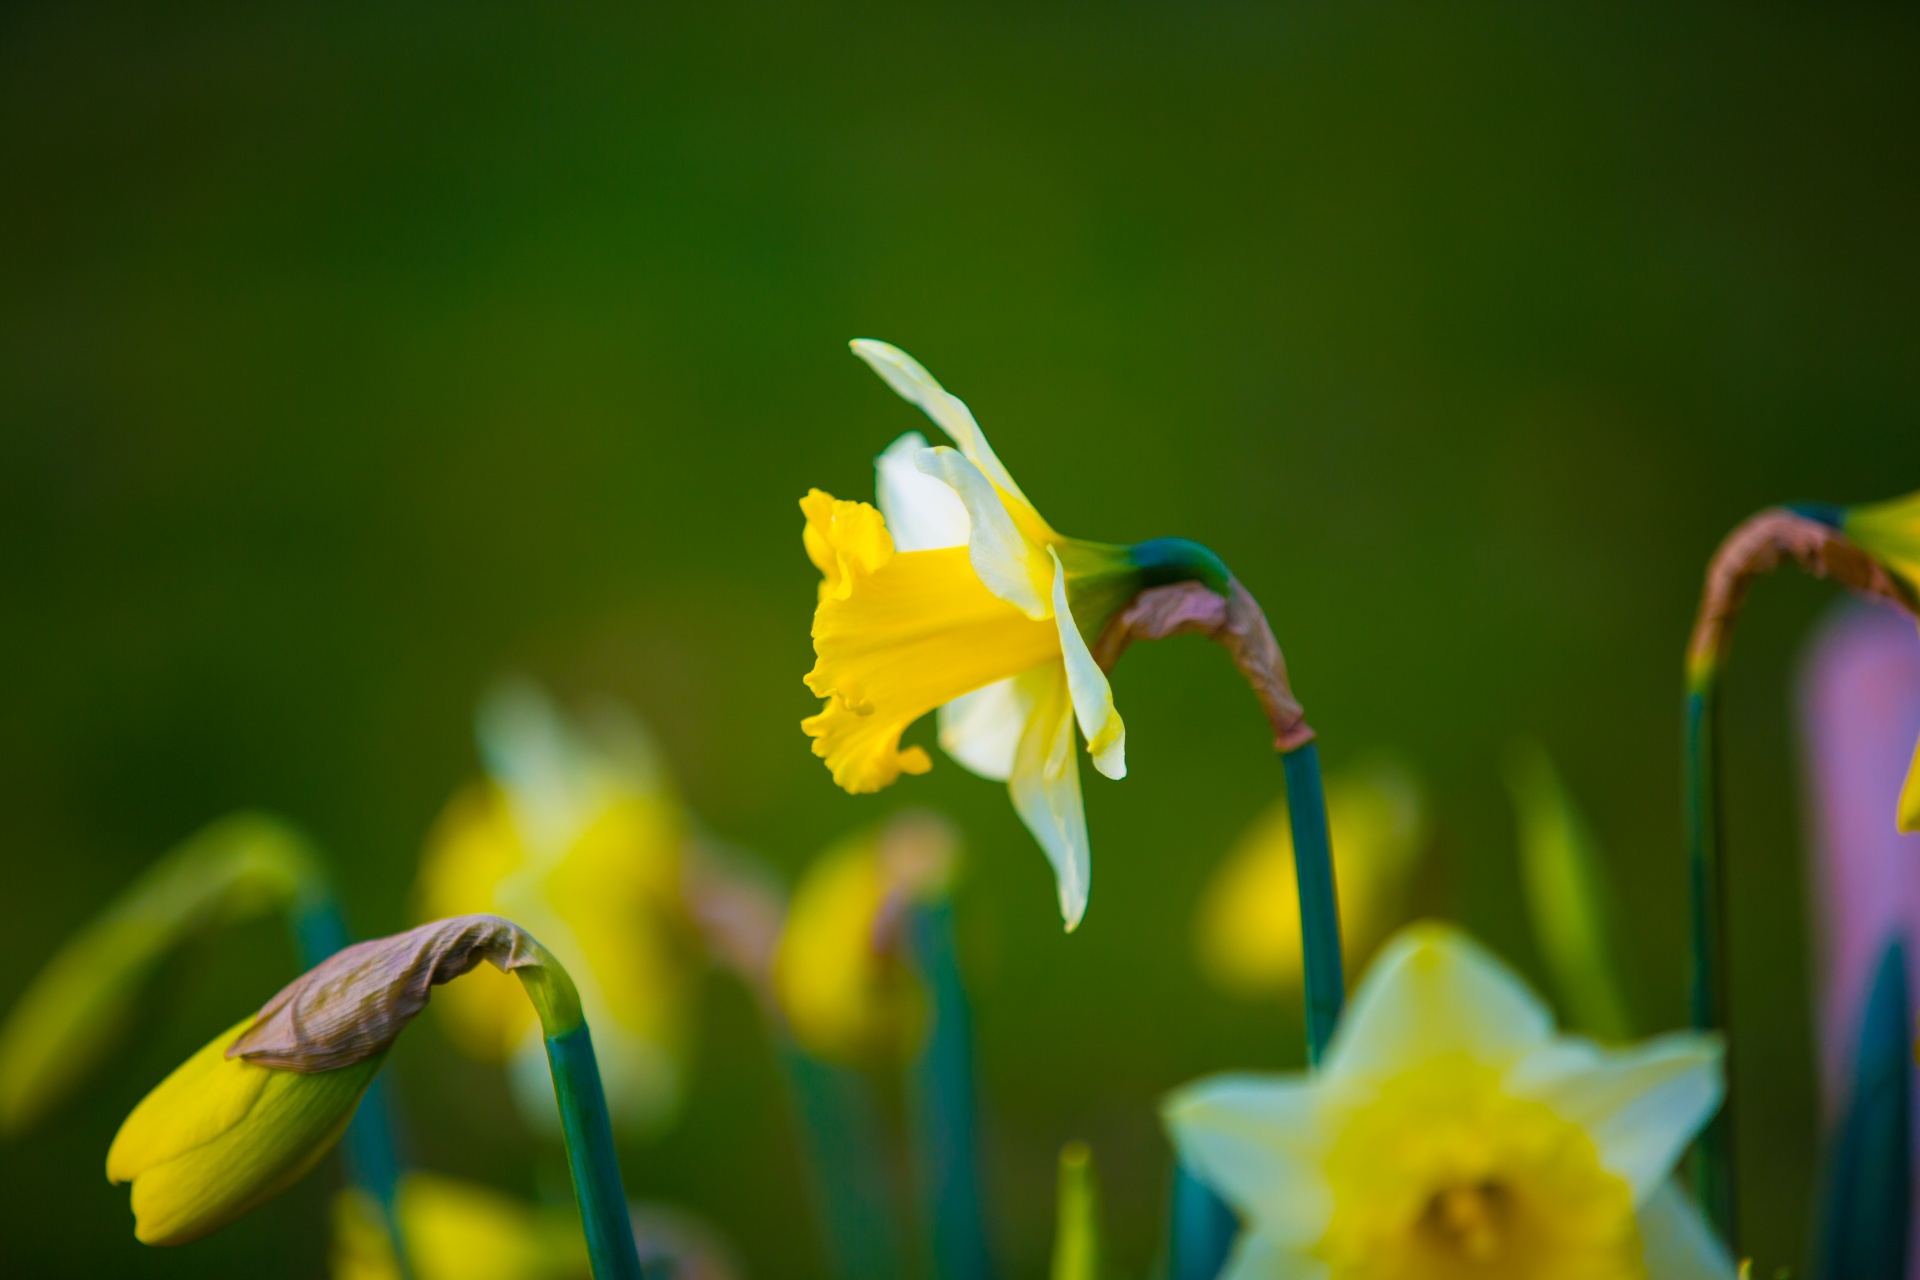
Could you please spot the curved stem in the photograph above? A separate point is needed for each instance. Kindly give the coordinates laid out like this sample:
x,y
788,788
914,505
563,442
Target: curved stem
x,y
1203,1229
1706,878
942,1090
584,1122
840,1139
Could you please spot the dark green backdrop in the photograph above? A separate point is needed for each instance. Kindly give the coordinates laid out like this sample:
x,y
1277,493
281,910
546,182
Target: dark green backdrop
x,y
350,355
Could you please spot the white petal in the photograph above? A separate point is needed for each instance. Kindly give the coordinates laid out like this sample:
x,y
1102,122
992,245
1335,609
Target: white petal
x,y
905,375
982,729
1002,557
1640,1105
1092,695
1045,785
1258,1257
1433,991
922,513
1679,1243
1258,1142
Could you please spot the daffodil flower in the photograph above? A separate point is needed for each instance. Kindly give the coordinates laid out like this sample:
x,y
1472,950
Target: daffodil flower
x,y
1451,1132
1247,927
575,832
957,595
839,976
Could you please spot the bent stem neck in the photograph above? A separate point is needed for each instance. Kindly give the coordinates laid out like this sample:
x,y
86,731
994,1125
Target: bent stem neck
x,y
584,1121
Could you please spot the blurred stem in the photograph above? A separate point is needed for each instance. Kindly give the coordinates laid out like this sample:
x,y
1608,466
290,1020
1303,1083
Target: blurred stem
x,y
1324,977
371,1153
1713,1162
942,1093
1203,1229
840,1134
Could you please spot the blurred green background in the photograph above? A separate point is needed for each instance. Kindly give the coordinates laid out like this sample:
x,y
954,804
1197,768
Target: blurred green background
x,y
351,356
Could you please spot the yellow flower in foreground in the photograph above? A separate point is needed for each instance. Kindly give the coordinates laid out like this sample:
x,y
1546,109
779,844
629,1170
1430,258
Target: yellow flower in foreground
x,y
956,595
1451,1134
221,1136
1890,533
576,834
1247,929
838,973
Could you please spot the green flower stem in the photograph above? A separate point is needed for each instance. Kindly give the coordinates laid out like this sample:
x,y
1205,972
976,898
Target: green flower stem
x,y
1713,1163
942,1093
1324,980
840,1136
1203,1229
584,1123
372,1155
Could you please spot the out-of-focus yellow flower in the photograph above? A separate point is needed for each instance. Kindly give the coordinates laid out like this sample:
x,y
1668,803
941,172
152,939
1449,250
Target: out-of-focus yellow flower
x,y
956,595
221,1136
78,1005
1890,533
576,833
456,1230
1451,1133
1247,929
838,974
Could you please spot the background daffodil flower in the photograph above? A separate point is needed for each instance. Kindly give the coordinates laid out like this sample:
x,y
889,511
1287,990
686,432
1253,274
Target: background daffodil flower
x,y
957,595
576,832
222,1136
842,984
1450,1132
1247,926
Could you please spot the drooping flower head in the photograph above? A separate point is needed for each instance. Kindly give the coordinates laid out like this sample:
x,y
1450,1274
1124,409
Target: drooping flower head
x,y
955,595
576,832
1451,1135
251,1113
1247,928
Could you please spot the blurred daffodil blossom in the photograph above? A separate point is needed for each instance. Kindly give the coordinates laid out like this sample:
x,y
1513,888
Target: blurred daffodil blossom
x,y
460,1230
842,984
957,595
1451,1132
1890,533
575,832
69,1018
1247,928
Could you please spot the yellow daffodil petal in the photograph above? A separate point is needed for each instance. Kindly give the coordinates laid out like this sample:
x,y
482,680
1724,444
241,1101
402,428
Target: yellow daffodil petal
x,y
1640,1105
914,384
982,729
1679,1243
1013,566
219,1137
922,512
1092,695
455,1230
900,635
1433,992
1045,785
1258,1141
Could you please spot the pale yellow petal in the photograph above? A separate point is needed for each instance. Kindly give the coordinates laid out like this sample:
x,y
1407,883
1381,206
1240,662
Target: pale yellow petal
x,y
1261,1143
1434,992
982,729
1045,786
1258,1256
923,513
1013,566
1093,705
914,384
1679,1243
